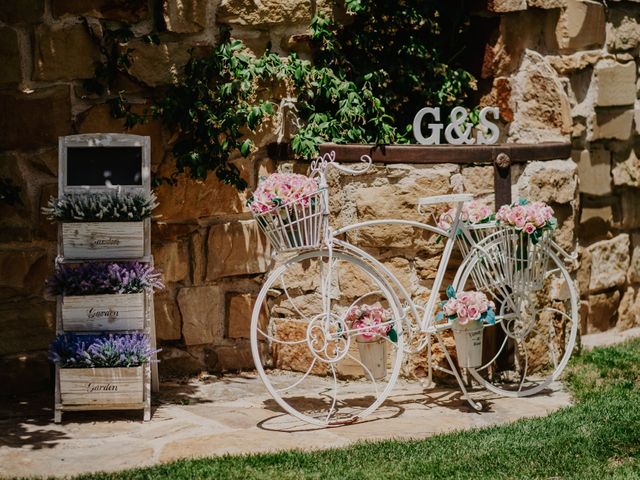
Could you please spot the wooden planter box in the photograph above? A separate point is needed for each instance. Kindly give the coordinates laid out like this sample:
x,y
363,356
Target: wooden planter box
x,y
89,313
103,240
101,387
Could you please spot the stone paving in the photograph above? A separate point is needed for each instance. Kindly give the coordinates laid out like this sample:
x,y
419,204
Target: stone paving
x,y
232,414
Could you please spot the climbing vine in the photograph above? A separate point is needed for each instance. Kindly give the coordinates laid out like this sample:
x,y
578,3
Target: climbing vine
x,y
363,86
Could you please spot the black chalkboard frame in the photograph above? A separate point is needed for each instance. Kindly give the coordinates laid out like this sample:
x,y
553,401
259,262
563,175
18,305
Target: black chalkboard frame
x,y
103,141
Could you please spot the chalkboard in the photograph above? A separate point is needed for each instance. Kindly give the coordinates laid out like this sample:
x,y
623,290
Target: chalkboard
x,y
105,166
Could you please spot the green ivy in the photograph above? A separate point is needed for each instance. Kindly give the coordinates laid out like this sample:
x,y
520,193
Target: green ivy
x,y
368,78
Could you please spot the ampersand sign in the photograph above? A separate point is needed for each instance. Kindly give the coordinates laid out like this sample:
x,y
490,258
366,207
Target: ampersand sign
x,y
458,119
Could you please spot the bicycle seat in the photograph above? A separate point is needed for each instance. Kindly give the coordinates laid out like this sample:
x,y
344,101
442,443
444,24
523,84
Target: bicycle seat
x,y
451,198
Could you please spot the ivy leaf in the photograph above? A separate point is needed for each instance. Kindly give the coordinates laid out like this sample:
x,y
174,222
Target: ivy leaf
x,y
393,335
245,148
451,292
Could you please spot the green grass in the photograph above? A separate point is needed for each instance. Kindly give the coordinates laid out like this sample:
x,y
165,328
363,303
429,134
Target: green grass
x,y
598,438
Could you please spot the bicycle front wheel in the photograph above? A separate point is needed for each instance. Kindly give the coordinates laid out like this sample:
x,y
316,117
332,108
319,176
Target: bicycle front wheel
x,y
317,364
535,330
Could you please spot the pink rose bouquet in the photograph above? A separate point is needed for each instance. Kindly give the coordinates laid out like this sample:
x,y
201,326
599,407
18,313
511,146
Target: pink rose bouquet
x,y
530,218
472,213
281,189
465,307
371,322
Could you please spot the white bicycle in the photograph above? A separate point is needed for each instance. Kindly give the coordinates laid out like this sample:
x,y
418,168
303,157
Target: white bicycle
x,y
319,366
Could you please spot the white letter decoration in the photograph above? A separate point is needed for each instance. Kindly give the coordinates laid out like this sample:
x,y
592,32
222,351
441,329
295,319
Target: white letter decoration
x,y
458,131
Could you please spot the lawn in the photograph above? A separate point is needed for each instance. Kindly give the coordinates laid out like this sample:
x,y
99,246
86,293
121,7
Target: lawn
x,y
598,438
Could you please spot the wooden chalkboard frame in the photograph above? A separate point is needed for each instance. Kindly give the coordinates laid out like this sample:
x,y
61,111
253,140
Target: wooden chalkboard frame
x,y
103,140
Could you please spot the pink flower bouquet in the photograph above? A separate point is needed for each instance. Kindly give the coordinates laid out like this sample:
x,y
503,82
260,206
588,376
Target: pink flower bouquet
x,y
472,213
532,219
465,307
280,189
371,322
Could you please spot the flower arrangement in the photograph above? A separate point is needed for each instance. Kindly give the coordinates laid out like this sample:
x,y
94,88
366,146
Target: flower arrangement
x,y
530,218
101,351
371,322
104,278
101,207
473,213
281,189
466,307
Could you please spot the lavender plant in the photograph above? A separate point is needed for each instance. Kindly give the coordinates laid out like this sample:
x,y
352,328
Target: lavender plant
x,y
101,207
101,351
104,278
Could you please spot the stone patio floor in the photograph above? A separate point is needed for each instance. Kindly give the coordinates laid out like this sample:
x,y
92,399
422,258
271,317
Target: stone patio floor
x,y
231,414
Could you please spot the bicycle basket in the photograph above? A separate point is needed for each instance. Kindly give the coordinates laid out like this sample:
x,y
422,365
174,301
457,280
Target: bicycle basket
x,y
300,224
524,262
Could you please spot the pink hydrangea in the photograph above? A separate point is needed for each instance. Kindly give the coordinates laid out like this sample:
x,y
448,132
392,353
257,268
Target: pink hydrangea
x,y
527,217
371,321
472,213
282,189
467,306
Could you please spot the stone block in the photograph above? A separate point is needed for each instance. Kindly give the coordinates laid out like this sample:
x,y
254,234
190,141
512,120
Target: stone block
x,y
633,275
547,4
603,309
202,314
27,325
64,52
236,248
25,373
176,362
478,180
185,16
594,168
630,217
553,182
582,24
566,64
234,357
98,119
503,6
156,65
173,261
629,310
24,271
264,13
123,10
544,108
611,123
34,120
190,199
11,72
583,274
610,262
596,221
626,169
21,11
167,315
239,312
623,29
614,83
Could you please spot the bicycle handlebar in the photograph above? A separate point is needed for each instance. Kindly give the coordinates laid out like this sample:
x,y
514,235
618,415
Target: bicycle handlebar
x,y
321,164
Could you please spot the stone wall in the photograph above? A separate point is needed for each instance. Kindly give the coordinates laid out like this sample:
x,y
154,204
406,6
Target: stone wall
x,y
557,69
573,65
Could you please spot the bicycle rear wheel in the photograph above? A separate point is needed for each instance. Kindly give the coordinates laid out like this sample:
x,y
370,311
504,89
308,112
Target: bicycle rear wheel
x,y
535,330
315,363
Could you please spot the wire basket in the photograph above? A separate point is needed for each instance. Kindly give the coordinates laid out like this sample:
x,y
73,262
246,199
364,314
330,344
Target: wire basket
x,y
487,273
525,263
301,224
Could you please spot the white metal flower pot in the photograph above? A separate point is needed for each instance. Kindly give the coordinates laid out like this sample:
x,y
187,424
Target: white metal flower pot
x,y
468,339
373,357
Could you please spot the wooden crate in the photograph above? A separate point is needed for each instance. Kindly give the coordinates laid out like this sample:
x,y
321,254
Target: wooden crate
x,y
91,313
101,387
103,240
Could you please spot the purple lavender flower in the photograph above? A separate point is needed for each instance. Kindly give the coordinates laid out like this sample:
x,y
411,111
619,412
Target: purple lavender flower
x,y
104,278
101,351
